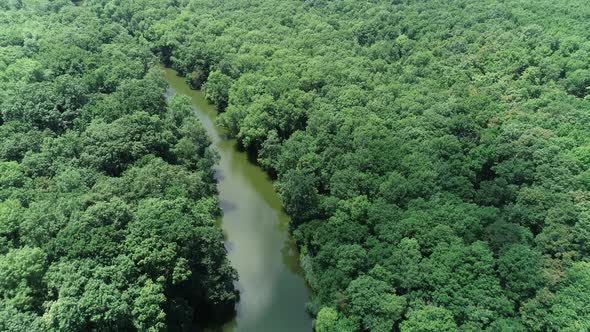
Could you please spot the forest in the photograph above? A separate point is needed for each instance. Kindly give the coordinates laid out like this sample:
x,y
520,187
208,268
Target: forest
x,y
107,196
434,157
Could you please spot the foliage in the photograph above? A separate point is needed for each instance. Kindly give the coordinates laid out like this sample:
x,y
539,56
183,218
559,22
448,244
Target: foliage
x,y
433,151
107,196
432,155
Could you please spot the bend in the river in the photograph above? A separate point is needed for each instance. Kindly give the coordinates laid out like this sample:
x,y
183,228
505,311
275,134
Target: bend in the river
x,y
272,290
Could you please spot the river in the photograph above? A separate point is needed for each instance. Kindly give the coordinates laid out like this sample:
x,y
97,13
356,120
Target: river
x,y
272,290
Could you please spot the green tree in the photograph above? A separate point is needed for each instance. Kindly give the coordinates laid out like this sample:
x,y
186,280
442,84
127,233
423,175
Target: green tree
x,y
429,318
374,303
520,272
300,195
217,89
147,308
20,277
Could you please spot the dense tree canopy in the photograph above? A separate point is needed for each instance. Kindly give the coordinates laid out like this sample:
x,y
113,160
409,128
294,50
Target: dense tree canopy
x,y
107,196
433,155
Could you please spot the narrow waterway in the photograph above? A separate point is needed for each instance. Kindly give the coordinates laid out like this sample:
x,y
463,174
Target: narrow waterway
x,y
272,289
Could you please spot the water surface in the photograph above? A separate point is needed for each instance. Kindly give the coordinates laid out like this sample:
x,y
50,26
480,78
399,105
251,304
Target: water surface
x,y
272,289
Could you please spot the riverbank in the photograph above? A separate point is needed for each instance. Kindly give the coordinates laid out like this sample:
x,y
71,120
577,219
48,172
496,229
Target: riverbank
x,y
272,289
